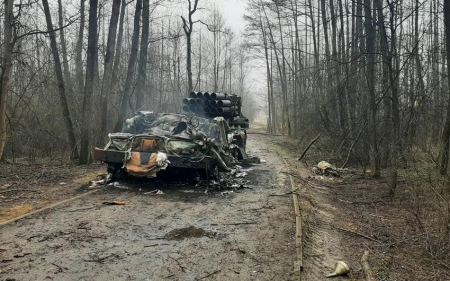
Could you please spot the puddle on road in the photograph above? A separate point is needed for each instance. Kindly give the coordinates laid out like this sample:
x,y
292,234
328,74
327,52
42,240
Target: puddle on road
x,y
188,232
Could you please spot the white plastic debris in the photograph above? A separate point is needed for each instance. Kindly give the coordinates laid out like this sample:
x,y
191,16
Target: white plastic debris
x,y
325,165
156,191
241,175
223,193
162,161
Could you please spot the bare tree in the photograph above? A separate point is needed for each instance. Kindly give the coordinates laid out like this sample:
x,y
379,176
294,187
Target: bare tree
x,y
108,67
131,67
79,50
142,65
370,78
62,39
445,138
89,86
60,80
6,70
187,27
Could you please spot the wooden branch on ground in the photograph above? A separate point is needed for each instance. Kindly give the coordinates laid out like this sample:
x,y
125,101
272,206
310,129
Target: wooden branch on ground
x,y
239,223
102,259
208,275
357,233
298,262
309,145
365,266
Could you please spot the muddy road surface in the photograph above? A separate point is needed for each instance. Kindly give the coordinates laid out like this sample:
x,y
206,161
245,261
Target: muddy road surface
x,y
182,234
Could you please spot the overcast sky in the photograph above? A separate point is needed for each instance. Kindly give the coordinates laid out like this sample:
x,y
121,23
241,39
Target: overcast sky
x,y
232,10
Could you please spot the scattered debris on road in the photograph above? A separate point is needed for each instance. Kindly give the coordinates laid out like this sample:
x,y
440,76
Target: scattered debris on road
x,y
326,169
124,203
188,232
105,179
157,191
340,269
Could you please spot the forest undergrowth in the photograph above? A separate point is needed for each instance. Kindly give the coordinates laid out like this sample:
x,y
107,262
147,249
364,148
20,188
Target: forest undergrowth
x,y
407,234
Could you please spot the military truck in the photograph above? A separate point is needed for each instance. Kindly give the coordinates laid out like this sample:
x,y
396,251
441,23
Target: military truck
x,y
208,138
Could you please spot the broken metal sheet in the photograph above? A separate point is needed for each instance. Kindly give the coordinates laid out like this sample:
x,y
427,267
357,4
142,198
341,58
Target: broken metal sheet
x,y
180,125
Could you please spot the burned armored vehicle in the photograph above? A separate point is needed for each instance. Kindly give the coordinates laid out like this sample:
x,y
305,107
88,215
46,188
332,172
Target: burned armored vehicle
x,y
206,139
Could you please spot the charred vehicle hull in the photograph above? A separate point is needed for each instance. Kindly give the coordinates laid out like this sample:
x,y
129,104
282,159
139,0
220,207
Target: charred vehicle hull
x,y
151,142
210,137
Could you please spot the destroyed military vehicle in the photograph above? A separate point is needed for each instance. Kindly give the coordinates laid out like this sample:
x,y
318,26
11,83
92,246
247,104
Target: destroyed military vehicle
x,y
207,139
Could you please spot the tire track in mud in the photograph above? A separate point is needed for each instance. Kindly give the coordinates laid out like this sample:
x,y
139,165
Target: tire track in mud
x,y
321,247
320,241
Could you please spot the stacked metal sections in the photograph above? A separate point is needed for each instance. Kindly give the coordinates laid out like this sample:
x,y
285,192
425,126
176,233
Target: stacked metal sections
x,y
212,105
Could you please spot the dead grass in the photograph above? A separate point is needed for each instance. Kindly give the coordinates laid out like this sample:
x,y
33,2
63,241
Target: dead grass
x,y
25,187
15,211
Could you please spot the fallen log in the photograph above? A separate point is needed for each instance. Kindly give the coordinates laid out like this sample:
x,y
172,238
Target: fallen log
x,y
365,266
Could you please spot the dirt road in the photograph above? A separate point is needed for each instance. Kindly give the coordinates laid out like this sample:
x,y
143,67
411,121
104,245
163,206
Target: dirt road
x,y
183,234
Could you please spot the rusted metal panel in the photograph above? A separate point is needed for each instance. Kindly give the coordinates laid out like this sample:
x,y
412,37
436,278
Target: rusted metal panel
x,y
108,156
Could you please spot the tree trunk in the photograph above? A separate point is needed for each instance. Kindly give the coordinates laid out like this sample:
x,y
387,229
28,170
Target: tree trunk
x,y
270,121
90,79
370,76
435,80
62,38
328,75
283,75
60,79
317,76
142,65
187,27
6,70
386,68
420,97
107,74
131,68
118,51
79,51
337,72
445,138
